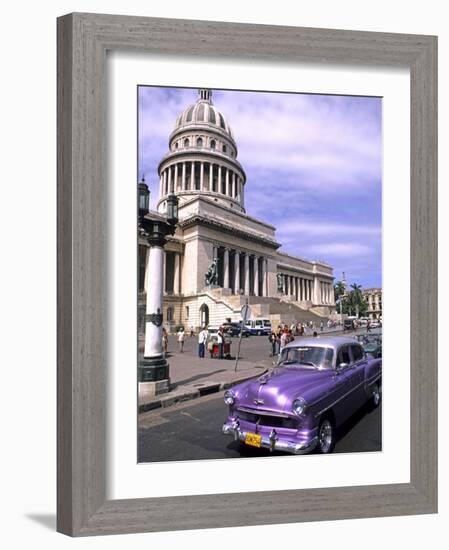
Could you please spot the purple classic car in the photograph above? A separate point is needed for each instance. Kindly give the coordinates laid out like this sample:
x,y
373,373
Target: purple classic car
x,y
317,384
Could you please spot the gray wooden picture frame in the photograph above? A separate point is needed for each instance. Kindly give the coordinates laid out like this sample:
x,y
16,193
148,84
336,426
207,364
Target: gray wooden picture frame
x,y
83,40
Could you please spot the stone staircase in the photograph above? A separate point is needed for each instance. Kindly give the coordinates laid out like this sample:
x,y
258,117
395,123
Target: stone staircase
x,y
281,310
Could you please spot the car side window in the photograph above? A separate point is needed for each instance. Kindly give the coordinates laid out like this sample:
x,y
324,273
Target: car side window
x,y
357,353
343,356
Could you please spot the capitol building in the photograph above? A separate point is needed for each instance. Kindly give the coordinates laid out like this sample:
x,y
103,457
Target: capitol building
x,y
202,169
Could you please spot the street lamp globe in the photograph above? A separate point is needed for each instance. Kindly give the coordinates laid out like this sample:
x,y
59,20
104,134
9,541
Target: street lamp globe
x,y
143,198
172,209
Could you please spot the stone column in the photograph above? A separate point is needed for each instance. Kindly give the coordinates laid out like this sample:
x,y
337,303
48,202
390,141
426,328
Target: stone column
x,y
234,184
145,279
226,268
176,278
175,183
265,280
155,274
169,180
202,176
292,285
219,179
296,289
192,175
246,269
211,176
161,185
237,272
256,276
286,289
227,182
164,175
183,182
262,276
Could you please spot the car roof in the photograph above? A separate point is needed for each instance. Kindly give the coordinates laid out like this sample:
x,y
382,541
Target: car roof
x,y
324,341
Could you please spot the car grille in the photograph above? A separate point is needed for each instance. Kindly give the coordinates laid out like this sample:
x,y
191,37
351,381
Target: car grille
x,y
267,420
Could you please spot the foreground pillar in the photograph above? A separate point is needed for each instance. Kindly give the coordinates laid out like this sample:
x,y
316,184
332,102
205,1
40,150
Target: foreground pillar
x,y
154,367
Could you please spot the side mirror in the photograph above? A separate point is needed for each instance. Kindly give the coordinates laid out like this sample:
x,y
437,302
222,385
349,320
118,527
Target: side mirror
x,y
342,366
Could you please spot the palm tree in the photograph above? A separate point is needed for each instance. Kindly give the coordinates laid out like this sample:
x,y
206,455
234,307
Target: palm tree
x,y
357,297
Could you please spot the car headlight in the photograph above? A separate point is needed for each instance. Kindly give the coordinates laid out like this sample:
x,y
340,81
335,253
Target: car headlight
x,y
299,406
229,397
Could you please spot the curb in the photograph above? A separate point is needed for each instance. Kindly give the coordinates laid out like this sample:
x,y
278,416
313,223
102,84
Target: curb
x,y
167,399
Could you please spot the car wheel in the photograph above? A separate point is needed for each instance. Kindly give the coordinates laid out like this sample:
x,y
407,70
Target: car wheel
x,y
326,436
375,396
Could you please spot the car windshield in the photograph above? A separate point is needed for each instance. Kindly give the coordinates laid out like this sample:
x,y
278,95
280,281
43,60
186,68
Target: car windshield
x,y
307,356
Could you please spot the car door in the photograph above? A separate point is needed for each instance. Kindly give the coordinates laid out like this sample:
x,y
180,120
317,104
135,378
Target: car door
x,y
356,375
342,384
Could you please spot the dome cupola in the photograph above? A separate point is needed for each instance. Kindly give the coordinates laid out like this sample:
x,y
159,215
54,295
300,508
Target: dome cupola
x,y
202,157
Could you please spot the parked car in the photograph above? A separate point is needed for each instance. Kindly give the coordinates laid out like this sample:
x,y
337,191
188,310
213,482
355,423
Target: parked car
x,y
349,323
233,329
372,344
297,407
258,327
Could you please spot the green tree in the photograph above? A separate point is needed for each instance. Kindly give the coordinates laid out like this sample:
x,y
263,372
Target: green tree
x,y
357,297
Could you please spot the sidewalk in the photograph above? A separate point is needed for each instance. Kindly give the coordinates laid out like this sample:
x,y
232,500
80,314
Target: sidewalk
x,y
192,377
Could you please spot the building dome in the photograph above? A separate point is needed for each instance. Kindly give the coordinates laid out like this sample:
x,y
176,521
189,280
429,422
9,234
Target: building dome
x,y
202,158
203,112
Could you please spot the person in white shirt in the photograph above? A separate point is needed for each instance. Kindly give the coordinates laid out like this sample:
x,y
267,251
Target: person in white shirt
x,y
220,343
181,338
202,340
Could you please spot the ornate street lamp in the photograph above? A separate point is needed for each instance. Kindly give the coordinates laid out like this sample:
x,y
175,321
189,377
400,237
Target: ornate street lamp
x,y
143,197
153,368
172,209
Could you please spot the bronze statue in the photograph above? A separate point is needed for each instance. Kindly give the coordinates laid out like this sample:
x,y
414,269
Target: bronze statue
x,y
280,281
211,276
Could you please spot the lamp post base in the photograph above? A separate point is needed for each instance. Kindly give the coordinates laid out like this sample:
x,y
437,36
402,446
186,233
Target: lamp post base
x,y
153,369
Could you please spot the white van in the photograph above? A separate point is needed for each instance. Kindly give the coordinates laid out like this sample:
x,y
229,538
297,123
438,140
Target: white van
x,y
258,327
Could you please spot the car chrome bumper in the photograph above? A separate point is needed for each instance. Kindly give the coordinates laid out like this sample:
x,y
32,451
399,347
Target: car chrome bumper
x,y
273,442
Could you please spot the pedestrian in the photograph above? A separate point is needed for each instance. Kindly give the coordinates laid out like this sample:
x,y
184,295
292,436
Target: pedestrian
x,y
283,341
273,341
220,340
321,326
181,338
164,341
368,326
202,340
192,332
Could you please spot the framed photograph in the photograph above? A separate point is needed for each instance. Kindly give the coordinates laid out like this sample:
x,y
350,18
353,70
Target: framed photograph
x,y
247,228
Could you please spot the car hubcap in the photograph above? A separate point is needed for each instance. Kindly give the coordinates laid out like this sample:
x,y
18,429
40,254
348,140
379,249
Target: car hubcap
x,y
325,436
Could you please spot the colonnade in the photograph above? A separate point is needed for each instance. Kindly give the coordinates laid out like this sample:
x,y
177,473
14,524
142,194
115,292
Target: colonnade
x,y
299,287
326,293
201,176
302,288
242,272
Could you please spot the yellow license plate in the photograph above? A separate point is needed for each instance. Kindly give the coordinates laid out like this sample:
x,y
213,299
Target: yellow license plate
x,y
253,439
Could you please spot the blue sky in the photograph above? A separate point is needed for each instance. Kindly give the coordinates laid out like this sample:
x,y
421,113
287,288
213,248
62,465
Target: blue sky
x,y
313,165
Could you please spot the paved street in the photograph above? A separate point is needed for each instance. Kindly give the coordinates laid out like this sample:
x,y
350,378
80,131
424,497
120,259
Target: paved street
x,y
192,431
